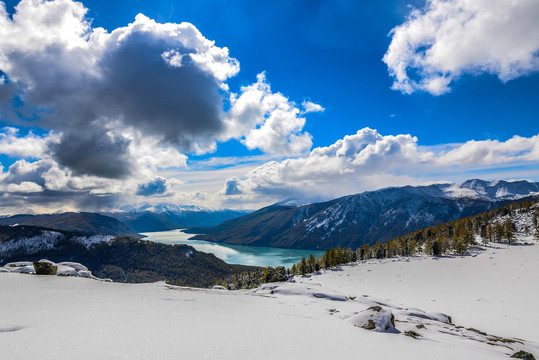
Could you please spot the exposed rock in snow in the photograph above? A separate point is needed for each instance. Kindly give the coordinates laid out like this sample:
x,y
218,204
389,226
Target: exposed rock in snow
x,y
375,318
47,267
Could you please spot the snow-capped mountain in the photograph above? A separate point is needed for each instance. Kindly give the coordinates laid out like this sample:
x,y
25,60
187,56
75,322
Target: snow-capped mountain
x,y
164,208
162,217
490,190
368,217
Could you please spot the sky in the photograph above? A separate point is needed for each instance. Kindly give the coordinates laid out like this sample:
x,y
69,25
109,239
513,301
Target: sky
x,y
240,104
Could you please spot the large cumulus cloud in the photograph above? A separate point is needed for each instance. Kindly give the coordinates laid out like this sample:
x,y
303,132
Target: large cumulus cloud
x,y
163,80
449,38
268,121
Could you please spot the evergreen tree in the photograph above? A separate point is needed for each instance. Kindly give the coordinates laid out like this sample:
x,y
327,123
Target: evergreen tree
x,y
325,260
380,252
302,267
312,263
412,247
333,258
498,232
508,230
490,233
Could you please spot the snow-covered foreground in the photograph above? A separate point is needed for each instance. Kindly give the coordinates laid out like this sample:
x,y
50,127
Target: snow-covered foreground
x,y
317,317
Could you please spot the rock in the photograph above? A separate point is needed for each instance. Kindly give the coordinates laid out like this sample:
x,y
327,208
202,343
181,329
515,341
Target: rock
x,y
412,333
219,287
375,318
44,267
523,355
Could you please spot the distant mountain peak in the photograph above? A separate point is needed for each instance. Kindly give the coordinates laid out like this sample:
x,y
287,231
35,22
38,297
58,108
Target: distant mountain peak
x,y
164,208
491,190
293,202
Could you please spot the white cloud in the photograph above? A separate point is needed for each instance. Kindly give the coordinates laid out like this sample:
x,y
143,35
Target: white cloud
x,y
449,38
309,107
31,145
24,187
368,160
267,121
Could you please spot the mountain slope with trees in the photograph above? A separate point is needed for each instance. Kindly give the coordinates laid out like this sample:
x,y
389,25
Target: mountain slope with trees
x,y
121,258
365,218
507,224
83,222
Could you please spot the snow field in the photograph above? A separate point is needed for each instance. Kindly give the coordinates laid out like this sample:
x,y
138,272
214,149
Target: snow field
x,y
489,296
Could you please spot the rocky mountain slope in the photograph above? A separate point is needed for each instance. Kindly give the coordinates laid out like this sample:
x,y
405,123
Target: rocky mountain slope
x,y
366,218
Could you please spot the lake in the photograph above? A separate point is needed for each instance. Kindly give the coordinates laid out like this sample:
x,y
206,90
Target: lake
x,y
235,254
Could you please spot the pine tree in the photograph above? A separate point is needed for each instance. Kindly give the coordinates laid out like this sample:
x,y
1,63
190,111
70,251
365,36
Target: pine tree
x,y
302,267
498,232
508,230
436,248
412,247
312,263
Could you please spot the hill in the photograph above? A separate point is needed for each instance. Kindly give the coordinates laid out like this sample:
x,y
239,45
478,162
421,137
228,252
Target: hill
x,y
120,258
83,222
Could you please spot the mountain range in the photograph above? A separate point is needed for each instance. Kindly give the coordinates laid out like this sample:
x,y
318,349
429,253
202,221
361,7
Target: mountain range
x,y
83,222
162,217
129,220
366,218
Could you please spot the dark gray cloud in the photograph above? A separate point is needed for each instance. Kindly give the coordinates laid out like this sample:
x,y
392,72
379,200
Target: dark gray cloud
x,y
93,152
156,186
179,104
30,202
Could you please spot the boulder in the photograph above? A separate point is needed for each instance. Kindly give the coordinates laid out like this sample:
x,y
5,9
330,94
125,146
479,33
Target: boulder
x,y
523,355
44,267
375,318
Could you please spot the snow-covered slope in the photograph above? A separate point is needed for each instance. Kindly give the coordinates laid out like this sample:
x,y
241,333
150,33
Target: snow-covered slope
x,y
489,295
490,190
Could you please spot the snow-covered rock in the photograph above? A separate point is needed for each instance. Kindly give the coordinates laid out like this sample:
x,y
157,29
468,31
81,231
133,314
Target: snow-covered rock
x,y
47,267
375,318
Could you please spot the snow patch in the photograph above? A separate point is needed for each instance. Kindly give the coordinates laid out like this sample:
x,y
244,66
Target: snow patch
x,y
89,241
45,241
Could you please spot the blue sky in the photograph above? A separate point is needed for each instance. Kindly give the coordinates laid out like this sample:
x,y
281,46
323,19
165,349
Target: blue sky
x,y
467,91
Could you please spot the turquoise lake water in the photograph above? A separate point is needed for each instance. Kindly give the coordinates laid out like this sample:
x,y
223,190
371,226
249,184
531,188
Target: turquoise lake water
x,y
235,254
